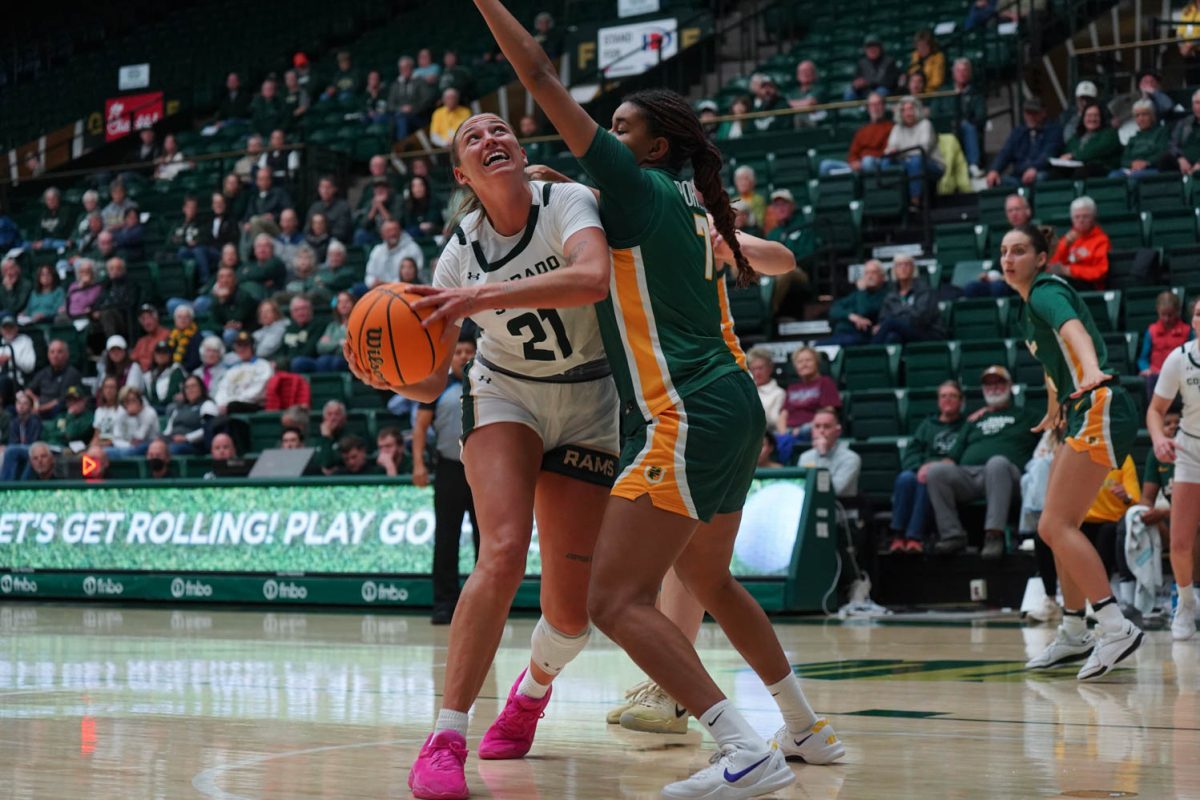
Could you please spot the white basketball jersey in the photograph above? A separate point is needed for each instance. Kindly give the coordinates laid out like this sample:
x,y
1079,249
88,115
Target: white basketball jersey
x,y
539,343
1181,375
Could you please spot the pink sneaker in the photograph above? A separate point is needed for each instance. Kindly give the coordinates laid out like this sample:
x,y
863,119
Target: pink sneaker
x,y
511,735
438,772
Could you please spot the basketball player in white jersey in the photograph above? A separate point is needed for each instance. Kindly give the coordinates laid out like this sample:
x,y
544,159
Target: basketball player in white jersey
x,y
1181,376
539,433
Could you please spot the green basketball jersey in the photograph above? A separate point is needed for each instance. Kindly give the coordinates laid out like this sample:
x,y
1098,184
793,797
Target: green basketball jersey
x,y
1051,304
665,324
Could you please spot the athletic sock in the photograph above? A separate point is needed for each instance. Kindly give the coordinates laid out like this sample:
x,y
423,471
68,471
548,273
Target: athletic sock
x,y
1108,614
530,687
729,727
1187,596
448,720
1074,623
793,705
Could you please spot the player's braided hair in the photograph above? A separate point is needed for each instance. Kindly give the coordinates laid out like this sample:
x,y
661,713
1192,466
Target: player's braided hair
x,y
668,114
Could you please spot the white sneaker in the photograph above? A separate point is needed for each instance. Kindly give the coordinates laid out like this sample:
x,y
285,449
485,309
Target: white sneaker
x,y
1111,648
735,774
976,172
1046,612
1183,623
818,745
613,717
1063,649
655,711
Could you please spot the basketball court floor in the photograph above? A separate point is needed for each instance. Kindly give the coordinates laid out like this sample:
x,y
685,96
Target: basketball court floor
x,y
102,702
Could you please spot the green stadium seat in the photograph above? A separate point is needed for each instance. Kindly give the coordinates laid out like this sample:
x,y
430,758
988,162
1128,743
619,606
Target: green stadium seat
x,y
1161,193
1183,265
839,228
127,469
967,271
1122,351
976,356
751,311
1111,195
195,467
1120,269
920,404
874,412
789,169
984,318
265,430
364,398
835,191
1105,308
958,242
991,205
1125,231
885,195
880,466
1173,228
869,367
928,363
1139,306
1052,199
326,386
1026,368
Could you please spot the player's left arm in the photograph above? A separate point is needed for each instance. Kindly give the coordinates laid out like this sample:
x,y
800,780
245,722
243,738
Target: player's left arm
x,y
582,281
767,257
538,75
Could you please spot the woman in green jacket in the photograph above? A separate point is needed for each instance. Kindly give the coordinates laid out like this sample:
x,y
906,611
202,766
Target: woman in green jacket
x,y
1095,143
1144,153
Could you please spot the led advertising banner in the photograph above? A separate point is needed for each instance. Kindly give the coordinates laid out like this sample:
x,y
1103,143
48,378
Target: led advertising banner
x,y
310,530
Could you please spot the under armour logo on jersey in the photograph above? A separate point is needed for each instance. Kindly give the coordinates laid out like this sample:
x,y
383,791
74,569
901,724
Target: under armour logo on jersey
x,y
655,474
474,276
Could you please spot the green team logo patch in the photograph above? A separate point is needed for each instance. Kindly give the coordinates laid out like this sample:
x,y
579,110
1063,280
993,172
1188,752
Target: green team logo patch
x,y
655,474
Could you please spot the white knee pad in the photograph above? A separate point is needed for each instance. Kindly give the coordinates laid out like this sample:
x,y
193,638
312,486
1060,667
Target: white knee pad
x,y
552,649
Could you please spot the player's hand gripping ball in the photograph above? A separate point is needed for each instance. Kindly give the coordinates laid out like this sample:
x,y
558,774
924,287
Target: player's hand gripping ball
x,y
390,345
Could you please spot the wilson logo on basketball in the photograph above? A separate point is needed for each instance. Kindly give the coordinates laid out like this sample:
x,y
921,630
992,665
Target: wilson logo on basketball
x,y
375,352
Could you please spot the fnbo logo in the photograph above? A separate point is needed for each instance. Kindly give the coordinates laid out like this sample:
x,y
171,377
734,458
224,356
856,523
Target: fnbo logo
x,y
387,592
284,590
102,586
18,584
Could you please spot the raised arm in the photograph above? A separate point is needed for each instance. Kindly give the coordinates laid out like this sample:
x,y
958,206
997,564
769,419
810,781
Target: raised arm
x,y
537,74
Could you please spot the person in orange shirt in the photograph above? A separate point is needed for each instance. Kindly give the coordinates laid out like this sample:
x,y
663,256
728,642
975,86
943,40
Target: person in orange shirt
x,y
1082,253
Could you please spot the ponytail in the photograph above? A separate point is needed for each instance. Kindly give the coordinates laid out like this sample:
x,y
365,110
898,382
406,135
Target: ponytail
x,y
668,115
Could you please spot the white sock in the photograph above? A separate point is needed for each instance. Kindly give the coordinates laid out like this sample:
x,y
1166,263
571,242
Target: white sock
x,y
530,687
448,720
793,705
728,727
1109,617
1075,626
1187,596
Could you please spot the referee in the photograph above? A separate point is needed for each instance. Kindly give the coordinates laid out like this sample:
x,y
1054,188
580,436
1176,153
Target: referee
x,y
451,494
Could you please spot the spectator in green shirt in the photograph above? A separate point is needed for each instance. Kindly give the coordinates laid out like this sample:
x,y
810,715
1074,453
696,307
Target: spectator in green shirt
x,y
268,110
806,94
932,444
988,458
1185,140
1145,152
344,84
854,316
1095,143
334,275
231,308
75,426
300,338
354,458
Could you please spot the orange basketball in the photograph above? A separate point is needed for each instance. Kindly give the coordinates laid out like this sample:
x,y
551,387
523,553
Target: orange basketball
x,y
388,339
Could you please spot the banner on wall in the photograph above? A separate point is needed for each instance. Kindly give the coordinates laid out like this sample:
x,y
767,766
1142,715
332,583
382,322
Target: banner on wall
x,y
632,8
131,112
331,529
632,49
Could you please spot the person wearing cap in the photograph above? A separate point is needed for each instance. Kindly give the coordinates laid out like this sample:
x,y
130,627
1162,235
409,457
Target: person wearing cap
x,y
410,99
17,359
162,382
243,389
806,94
869,142
235,101
985,464
117,363
1149,149
875,72
1086,93
707,111
303,70
767,98
1027,151
295,98
73,430
1185,139
1094,143
152,333
49,384
345,82
783,225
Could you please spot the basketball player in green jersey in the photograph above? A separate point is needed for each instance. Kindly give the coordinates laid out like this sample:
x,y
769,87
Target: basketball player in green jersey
x,y
692,422
1101,425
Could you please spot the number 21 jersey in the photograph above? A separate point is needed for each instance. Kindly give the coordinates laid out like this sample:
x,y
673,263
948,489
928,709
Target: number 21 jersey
x,y
539,343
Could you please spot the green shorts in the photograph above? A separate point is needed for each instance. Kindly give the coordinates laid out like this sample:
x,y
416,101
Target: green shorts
x,y
697,458
1104,424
